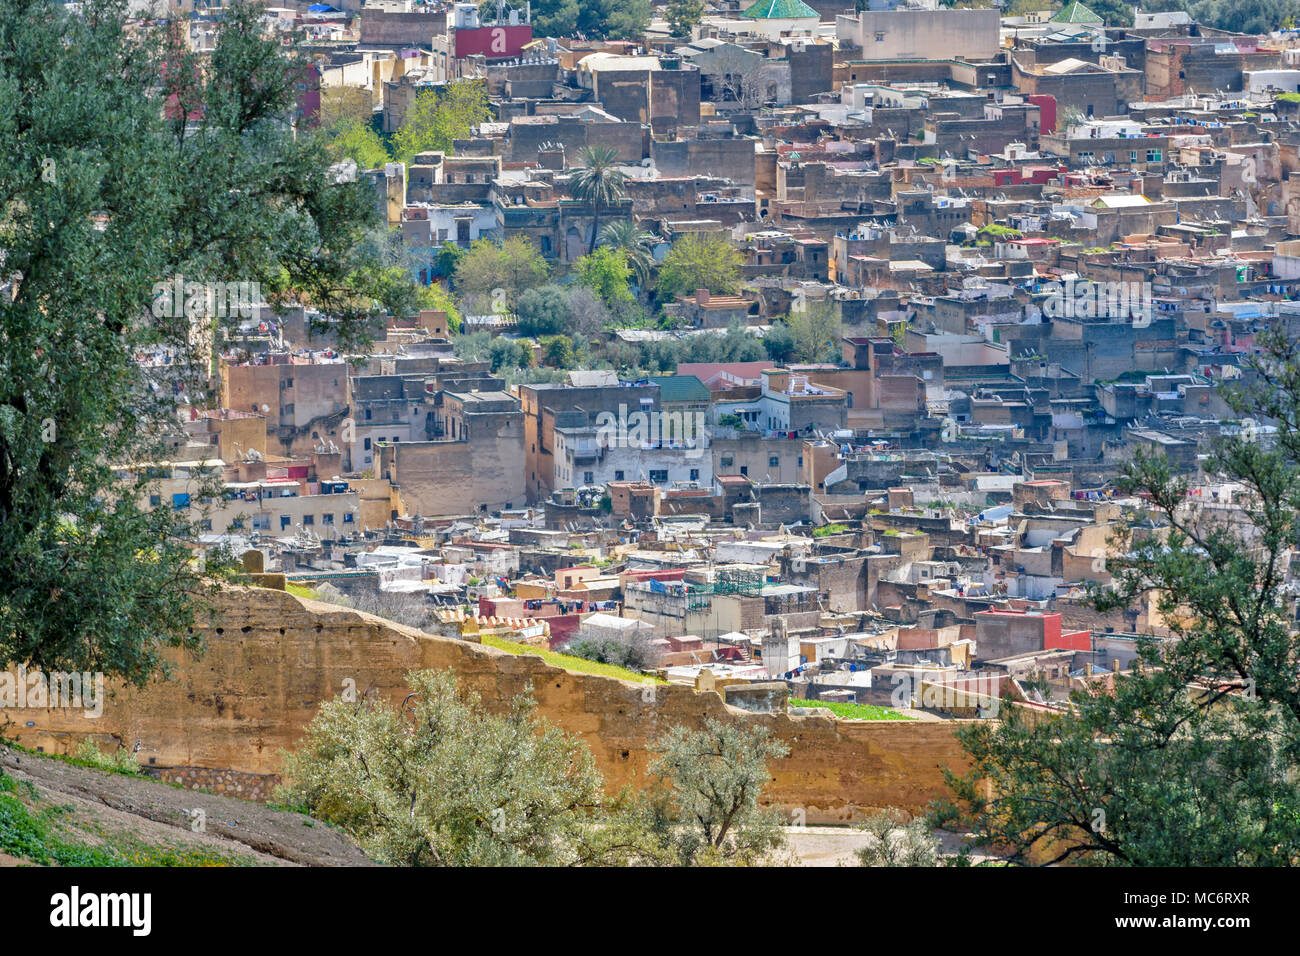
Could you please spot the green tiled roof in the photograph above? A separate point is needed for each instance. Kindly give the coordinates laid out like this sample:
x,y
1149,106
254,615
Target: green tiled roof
x,y
1075,13
780,10
680,388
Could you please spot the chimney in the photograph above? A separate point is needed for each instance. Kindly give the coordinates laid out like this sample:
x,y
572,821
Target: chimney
x,y
701,296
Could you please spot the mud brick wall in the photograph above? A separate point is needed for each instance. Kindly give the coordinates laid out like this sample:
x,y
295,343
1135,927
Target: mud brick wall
x,y
271,659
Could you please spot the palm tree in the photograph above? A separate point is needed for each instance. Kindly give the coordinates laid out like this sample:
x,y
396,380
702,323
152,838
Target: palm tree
x,y
634,242
599,182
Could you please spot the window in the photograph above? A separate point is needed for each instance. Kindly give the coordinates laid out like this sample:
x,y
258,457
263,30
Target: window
x,y
727,461
588,477
348,518
308,519
695,474
205,524
155,501
367,414
880,36
284,521
744,469
366,444
659,475
618,476
773,461
1153,156
801,461
327,518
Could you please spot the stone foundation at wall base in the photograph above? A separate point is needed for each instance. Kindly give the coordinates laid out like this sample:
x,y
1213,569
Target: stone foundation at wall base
x,y
224,783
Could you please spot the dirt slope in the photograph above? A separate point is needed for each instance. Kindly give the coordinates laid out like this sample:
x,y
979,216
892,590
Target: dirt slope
x,y
97,805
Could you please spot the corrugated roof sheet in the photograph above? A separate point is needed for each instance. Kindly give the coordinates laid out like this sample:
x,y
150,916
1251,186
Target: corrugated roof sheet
x,y
680,388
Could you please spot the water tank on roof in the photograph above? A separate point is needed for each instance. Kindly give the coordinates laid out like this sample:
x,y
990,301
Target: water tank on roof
x,y
466,16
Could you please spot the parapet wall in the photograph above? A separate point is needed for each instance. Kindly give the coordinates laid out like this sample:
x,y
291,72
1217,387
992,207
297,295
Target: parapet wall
x,y
271,659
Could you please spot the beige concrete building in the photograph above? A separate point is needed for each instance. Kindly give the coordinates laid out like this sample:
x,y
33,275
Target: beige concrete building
x,y
921,34
478,467
276,498
304,399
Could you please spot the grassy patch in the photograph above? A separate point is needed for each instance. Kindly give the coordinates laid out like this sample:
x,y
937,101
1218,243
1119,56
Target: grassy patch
x,y
1001,232
829,529
301,591
122,761
853,711
570,663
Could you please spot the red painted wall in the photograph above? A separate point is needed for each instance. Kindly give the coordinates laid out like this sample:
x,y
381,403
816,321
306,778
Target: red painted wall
x,y
1074,641
1046,104
492,41
1051,629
